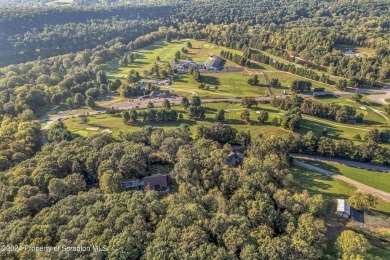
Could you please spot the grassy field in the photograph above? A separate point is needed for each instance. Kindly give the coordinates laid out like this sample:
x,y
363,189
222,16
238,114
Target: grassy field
x,y
317,125
309,123
286,78
333,79
114,123
230,84
330,188
370,117
375,179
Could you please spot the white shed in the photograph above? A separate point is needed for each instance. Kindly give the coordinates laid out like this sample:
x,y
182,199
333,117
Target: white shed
x,y
343,208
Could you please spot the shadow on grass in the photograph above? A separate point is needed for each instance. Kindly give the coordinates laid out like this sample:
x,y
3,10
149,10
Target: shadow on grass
x,y
210,80
314,183
317,128
256,66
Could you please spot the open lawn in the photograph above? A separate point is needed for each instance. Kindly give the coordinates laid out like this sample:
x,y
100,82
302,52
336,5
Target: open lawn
x,y
230,84
330,188
147,57
375,179
115,124
286,78
333,79
370,117
317,125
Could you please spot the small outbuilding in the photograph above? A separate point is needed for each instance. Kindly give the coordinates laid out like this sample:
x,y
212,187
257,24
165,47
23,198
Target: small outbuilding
x,y
343,208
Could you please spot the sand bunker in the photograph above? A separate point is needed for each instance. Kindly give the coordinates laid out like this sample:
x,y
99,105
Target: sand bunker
x,y
92,128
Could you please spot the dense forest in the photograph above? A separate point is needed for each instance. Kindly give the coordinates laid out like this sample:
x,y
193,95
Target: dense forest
x,y
217,212
306,29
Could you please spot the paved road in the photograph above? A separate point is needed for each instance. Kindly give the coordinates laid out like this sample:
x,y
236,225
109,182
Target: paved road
x,y
367,166
267,83
362,187
379,95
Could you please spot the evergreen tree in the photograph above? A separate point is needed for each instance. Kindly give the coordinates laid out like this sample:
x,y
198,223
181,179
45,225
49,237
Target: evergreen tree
x,y
220,115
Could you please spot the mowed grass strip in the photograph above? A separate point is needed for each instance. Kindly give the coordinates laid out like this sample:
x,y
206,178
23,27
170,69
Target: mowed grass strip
x,y
330,188
231,84
374,179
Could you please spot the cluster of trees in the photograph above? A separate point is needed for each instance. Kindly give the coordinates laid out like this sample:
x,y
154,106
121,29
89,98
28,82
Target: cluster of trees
x,y
20,138
150,115
378,136
127,59
275,83
194,108
298,86
248,102
194,72
218,132
133,76
160,71
236,58
254,81
331,111
292,119
368,151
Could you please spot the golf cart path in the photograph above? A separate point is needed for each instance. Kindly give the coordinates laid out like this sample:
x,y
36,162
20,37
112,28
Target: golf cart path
x,y
362,187
355,164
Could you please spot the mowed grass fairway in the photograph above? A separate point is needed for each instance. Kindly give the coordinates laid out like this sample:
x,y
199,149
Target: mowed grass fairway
x,y
232,84
370,117
375,179
330,188
232,117
233,111
229,84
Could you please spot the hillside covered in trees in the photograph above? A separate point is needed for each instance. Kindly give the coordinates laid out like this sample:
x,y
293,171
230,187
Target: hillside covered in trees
x,y
215,212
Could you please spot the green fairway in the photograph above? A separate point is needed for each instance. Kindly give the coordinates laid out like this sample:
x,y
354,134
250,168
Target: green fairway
x,y
229,84
375,179
232,117
370,117
317,125
330,188
286,78
309,123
